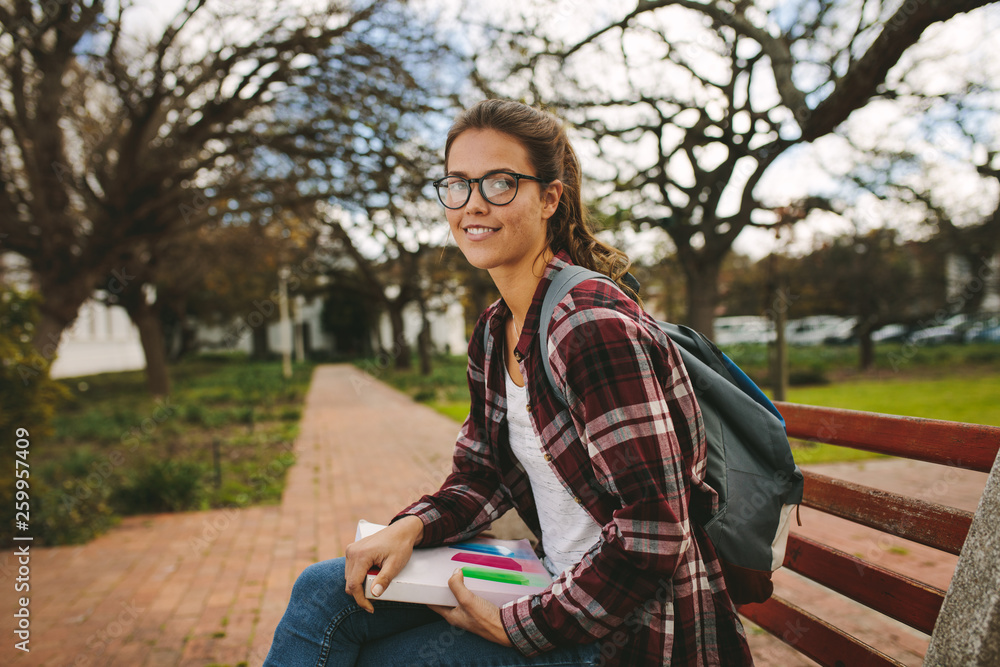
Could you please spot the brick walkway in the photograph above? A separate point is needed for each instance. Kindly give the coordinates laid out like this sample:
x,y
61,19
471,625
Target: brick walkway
x,y
208,588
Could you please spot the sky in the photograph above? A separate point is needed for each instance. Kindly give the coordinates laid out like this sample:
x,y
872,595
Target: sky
x,y
963,48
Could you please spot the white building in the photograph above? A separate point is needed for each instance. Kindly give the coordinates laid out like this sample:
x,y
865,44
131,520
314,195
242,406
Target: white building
x,y
447,329
102,340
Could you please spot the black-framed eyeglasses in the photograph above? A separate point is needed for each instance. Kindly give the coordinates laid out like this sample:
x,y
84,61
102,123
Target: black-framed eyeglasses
x,y
497,187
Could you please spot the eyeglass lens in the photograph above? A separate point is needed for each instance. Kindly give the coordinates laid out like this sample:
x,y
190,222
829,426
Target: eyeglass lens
x,y
497,189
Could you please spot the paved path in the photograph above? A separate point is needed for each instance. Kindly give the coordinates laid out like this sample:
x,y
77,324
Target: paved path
x,y
208,588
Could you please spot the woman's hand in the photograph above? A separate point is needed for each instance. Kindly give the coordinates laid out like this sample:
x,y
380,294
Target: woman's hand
x,y
389,549
473,613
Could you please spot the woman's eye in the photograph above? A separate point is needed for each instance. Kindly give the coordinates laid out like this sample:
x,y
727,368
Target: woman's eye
x,y
499,184
458,187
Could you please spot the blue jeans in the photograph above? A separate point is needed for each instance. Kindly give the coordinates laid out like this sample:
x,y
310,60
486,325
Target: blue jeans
x,y
323,626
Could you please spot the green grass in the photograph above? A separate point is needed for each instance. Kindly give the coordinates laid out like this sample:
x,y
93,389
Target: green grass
x,y
973,399
965,399
457,410
222,438
825,363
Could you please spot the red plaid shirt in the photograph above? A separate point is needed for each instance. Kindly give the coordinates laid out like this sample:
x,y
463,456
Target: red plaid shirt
x,y
630,448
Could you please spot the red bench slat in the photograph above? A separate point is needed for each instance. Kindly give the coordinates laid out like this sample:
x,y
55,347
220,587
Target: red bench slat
x,y
955,444
902,598
932,524
814,637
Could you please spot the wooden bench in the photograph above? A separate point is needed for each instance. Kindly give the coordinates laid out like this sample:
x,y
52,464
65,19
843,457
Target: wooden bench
x,y
914,603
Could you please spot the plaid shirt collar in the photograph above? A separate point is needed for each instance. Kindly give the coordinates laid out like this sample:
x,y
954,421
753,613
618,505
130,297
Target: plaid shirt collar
x,y
532,321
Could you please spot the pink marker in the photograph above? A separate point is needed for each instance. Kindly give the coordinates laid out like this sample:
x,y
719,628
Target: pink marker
x,y
489,561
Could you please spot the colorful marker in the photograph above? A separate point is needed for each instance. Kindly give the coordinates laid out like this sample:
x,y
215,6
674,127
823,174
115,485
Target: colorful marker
x,y
493,575
495,550
489,561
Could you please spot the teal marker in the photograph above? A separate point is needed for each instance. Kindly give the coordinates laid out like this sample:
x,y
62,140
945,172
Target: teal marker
x,y
495,575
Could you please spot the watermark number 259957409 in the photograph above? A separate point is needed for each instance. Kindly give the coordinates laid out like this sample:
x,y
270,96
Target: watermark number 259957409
x,y
22,546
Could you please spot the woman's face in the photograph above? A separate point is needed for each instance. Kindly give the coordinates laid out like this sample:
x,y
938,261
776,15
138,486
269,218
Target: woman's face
x,y
501,239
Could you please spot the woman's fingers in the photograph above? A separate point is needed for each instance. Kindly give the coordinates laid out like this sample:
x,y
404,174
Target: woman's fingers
x,y
473,613
388,550
390,567
359,561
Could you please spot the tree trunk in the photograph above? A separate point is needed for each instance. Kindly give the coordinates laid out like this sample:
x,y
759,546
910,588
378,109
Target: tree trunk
x,y
866,353
47,336
146,317
424,341
61,302
866,347
478,294
260,350
189,339
181,337
399,348
702,293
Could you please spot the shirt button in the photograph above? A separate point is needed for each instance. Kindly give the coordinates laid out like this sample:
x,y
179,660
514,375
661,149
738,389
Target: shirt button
x,y
518,355
547,457
528,407
578,501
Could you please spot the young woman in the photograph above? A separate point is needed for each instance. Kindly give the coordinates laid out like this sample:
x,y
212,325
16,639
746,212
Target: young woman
x,y
607,483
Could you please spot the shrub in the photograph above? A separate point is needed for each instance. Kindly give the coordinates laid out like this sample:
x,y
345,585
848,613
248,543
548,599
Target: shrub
x,y
71,512
811,376
425,395
161,486
28,396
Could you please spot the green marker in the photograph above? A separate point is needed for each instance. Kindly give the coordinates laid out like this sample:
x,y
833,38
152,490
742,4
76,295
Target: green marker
x,y
495,575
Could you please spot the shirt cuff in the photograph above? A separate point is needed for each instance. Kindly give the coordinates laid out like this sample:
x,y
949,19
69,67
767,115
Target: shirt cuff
x,y
426,513
521,628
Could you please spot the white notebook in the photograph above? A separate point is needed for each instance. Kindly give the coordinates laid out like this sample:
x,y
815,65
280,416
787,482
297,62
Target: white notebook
x,y
497,570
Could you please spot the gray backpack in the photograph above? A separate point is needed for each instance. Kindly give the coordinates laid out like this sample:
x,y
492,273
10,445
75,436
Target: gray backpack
x,y
750,462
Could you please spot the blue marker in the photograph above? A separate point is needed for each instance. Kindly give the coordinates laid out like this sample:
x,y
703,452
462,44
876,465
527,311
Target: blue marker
x,y
484,549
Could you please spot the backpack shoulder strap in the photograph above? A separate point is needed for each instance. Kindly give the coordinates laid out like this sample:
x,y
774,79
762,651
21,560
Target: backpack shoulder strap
x,y
564,281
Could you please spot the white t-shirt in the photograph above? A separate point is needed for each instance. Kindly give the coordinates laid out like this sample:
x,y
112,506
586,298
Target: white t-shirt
x,y
568,532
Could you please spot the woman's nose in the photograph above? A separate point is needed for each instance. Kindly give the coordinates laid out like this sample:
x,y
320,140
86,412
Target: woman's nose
x,y
476,200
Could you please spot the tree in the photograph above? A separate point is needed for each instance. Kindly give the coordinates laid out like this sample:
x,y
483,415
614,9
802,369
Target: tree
x,y
402,276
350,316
872,275
691,103
951,184
114,141
387,198
225,273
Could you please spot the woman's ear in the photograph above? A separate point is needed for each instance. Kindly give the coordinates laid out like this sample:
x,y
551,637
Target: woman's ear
x,y
550,198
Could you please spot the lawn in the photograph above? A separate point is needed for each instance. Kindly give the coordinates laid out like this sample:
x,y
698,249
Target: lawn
x,y
223,438
974,398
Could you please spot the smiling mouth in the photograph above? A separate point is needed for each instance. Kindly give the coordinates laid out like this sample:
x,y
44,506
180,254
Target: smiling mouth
x,y
478,231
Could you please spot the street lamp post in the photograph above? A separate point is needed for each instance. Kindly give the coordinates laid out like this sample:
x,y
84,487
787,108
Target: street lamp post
x,y
286,323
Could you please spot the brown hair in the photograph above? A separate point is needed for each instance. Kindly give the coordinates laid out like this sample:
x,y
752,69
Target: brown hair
x,y
544,138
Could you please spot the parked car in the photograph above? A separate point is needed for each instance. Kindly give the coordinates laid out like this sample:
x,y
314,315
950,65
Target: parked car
x,y
737,330
817,329
950,331
986,331
891,333
842,334
811,330
935,335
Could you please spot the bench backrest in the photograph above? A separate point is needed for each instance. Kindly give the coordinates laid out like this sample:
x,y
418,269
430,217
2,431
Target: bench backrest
x,y
914,603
